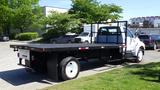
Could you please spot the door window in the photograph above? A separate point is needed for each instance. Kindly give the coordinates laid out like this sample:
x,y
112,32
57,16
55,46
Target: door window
x,y
129,34
103,31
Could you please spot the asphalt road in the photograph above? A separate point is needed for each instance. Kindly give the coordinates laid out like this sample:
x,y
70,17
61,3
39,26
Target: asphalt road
x,y
14,77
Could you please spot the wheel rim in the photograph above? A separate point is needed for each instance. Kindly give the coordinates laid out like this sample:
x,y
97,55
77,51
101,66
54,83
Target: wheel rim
x,y
140,56
71,69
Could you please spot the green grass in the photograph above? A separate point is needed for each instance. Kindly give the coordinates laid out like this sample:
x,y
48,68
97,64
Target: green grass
x,y
135,77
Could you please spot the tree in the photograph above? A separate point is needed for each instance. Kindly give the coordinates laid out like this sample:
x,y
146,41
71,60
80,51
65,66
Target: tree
x,y
26,14
61,23
90,11
110,11
19,15
37,19
5,16
1,31
84,9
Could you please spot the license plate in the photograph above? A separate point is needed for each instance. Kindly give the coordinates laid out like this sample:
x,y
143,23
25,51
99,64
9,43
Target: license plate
x,y
24,54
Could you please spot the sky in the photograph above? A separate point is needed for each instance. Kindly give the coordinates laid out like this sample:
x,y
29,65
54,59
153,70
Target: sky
x,y
131,8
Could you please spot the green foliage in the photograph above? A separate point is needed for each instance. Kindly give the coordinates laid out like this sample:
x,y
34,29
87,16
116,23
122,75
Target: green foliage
x,y
1,31
27,36
50,34
5,12
19,14
6,15
60,24
82,11
27,14
90,11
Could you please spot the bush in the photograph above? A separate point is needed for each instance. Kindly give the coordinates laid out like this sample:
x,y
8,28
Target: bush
x,y
27,36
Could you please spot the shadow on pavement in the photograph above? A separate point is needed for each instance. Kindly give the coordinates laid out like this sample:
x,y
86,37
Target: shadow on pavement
x,y
20,76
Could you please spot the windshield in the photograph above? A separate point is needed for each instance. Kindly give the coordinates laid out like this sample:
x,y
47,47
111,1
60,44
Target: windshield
x,y
84,34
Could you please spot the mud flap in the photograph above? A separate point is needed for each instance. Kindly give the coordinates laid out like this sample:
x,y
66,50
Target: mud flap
x,y
52,67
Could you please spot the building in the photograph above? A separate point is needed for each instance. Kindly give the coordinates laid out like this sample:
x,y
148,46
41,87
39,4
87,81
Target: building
x,y
145,22
48,9
157,23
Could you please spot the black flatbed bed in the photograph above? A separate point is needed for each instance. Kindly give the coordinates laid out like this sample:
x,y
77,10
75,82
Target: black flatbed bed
x,y
63,47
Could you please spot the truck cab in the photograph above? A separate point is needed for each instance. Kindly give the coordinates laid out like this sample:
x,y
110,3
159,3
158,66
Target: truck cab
x,y
120,35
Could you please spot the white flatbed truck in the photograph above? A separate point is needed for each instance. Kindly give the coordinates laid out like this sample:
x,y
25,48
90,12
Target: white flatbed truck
x,y
62,61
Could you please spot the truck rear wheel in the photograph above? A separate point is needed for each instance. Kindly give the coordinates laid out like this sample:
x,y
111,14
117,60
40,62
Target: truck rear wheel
x,y
139,56
69,68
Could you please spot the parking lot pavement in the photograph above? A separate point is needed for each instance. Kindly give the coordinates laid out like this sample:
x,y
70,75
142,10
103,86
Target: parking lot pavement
x,y
151,56
14,77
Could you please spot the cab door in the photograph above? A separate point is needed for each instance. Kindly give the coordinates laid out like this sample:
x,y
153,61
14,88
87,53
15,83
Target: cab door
x,y
131,41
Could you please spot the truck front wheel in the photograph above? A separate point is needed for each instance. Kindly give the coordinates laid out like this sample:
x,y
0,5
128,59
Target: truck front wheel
x,y
139,56
69,68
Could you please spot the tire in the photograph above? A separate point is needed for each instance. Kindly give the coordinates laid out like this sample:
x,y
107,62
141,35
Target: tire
x,y
139,56
69,68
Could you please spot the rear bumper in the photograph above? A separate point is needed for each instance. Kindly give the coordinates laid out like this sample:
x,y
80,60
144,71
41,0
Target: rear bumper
x,y
26,63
